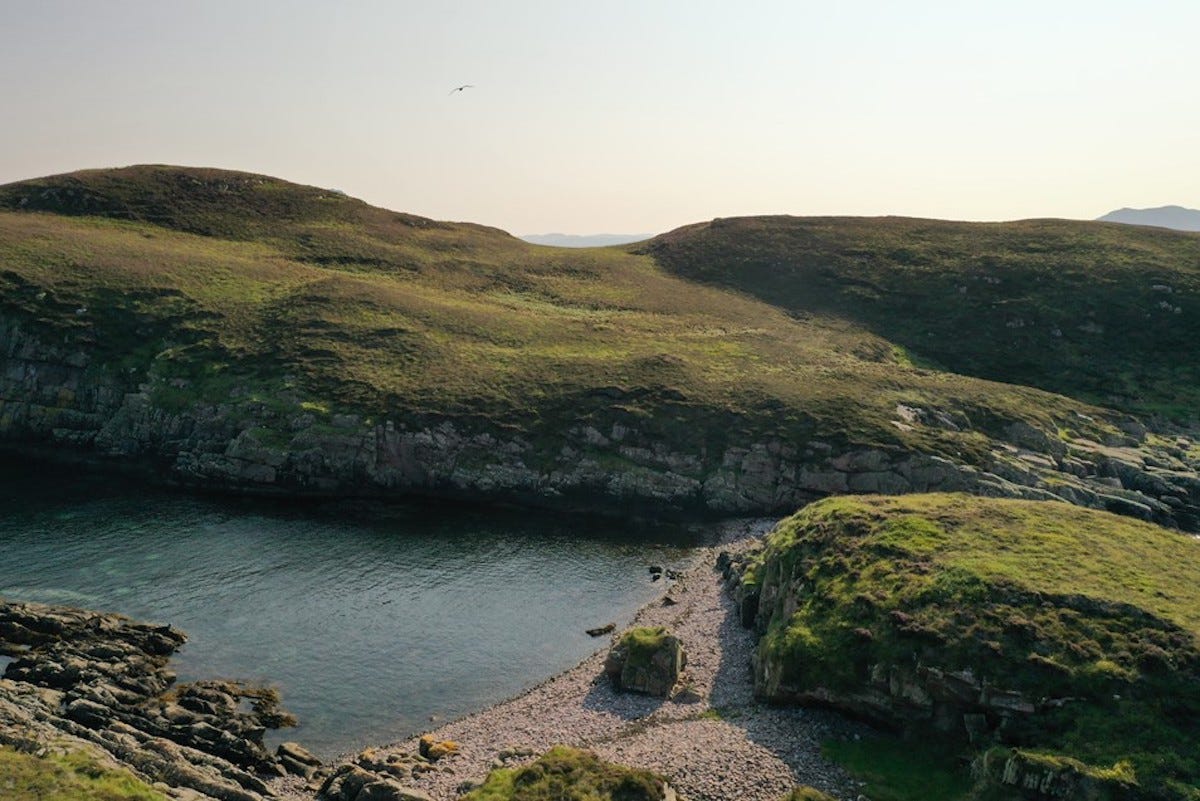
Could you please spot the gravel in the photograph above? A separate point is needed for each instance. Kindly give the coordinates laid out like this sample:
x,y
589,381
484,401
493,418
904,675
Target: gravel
x,y
721,747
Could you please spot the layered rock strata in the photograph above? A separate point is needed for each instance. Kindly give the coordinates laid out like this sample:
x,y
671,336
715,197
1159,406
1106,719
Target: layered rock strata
x,y
102,682
56,399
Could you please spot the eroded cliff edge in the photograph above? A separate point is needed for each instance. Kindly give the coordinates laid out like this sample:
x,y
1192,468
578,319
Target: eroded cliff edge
x,y
56,400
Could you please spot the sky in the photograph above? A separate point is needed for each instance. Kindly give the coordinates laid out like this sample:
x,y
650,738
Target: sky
x,y
606,116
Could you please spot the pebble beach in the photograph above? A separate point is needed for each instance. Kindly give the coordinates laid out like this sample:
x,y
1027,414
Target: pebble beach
x,y
713,741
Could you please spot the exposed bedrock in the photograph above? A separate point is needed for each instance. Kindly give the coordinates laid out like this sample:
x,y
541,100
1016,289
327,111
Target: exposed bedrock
x,y
56,401
100,682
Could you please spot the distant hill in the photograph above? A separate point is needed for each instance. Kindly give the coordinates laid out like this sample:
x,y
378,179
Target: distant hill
x,y
1176,217
584,240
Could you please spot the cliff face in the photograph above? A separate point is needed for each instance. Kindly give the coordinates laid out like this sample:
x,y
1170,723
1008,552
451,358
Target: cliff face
x,y
55,398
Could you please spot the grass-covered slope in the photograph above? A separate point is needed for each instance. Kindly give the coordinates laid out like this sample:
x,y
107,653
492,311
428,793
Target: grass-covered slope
x,y
369,308
1098,311
225,323
1053,628
67,777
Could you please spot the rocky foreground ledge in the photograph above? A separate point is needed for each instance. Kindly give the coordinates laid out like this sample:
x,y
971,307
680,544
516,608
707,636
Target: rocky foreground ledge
x,y
101,683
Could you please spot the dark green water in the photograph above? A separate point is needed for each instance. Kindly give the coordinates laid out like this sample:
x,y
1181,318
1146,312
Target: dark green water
x,y
369,623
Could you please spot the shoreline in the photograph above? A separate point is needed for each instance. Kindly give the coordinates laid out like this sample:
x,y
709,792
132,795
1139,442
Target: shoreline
x,y
713,743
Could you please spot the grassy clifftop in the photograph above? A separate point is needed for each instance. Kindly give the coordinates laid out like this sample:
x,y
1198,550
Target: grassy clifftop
x,y
284,307
374,307
1097,311
1059,630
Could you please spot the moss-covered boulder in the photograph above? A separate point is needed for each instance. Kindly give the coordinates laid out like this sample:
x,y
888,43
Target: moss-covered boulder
x,y
646,660
1059,630
568,774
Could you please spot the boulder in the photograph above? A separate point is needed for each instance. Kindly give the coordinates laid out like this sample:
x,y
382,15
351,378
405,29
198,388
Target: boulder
x,y
297,760
646,660
434,749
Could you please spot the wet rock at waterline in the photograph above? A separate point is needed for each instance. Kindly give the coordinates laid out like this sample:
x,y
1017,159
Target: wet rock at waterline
x,y
98,682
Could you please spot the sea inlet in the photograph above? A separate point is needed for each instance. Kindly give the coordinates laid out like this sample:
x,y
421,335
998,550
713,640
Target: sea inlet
x,y
374,621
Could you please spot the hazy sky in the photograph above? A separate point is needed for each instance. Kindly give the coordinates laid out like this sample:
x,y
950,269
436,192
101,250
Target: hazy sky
x,y
625,116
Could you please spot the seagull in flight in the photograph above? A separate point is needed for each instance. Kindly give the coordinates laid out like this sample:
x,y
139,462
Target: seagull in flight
x,y
460,88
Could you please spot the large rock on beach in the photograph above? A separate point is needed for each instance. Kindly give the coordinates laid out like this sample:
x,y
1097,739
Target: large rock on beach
x,y
646,660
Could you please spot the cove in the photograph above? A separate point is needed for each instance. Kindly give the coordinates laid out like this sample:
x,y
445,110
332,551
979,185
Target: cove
x,y
372,623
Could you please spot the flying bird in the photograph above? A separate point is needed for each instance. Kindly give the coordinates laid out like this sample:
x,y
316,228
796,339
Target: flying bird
x,y
460,88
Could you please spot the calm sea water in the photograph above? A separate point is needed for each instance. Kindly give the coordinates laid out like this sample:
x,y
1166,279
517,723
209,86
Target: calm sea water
x,y
369,623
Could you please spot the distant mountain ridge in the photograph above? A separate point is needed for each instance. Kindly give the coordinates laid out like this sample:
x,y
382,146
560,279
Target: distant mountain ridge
x,y
583,240
1176,217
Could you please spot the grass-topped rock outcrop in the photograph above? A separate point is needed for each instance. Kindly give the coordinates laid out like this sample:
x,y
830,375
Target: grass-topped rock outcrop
x,y
1069,634
570,774
234,331
646,660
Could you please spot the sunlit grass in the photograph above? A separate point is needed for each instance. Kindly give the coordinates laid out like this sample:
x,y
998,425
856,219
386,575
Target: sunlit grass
x,y
1048,599
70,777
232,281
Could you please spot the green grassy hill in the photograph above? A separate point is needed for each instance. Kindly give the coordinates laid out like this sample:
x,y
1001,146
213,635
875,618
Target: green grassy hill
x,y
242,331
1065,632
1097,311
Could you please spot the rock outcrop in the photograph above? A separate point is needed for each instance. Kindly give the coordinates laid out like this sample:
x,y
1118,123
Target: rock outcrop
x,y
646,660
375,776
990,622
102,681
55,400
1048,777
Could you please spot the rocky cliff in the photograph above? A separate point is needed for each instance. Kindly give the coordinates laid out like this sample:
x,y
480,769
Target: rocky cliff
x,y
236,332
55,399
